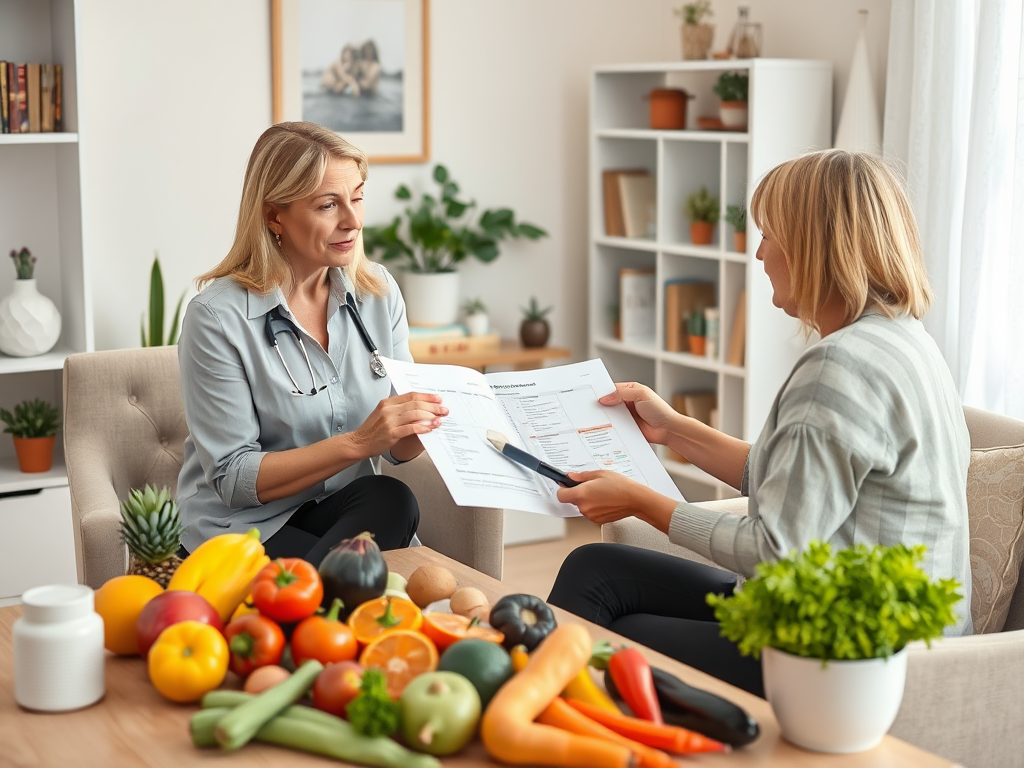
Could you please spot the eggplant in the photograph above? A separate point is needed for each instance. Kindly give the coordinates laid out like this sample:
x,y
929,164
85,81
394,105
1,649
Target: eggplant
x,y
696,710
353,571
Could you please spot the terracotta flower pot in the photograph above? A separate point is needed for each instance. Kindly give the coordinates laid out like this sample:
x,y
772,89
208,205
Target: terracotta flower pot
x,y
534,333
740,242
697,345
35,454
733,115
668,108
701,232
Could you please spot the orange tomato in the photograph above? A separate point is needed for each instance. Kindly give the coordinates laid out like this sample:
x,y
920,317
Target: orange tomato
x,y
120,601
401,655
447,628
383,615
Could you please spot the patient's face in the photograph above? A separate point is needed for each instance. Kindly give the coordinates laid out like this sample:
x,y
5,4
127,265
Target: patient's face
x,y
777,269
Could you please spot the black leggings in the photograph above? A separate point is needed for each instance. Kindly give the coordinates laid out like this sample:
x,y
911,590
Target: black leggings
x,y
657,600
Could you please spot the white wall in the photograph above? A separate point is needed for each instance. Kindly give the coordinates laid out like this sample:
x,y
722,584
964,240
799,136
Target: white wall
x,y
175,95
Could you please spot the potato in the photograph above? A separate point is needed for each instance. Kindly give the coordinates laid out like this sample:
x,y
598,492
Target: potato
x,y
468,601
429,583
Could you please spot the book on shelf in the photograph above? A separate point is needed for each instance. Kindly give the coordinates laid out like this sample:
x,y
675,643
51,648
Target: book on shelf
x,y
46,77
30,98
701,405
614,224
639,212
19,94
5,107
637,303
738,337
425,347
682,297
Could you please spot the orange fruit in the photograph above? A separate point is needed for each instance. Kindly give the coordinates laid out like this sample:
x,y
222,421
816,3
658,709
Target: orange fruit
x,y
120,601
447,628
385,614
401,655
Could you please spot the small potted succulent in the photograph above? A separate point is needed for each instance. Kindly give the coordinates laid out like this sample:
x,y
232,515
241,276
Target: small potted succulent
x,y
834,626
534,330
697,36
731,88
736,215
29,322
475,315
696,329
702,211
34,428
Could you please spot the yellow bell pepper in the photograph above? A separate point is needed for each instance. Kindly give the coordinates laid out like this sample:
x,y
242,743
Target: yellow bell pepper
x,y
583,688
188,660
222,570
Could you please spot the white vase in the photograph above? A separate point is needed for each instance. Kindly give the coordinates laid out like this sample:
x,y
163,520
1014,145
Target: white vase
x,y
733,115
844,706
478,323
431,298
860,122
29,322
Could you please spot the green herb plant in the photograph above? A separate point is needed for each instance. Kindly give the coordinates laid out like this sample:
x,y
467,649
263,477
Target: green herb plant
x,y
31,418
439,232
24,263
701,206
533,312
696,325
732,86
736,215
373,712
695,12
153,336
858,603
474,307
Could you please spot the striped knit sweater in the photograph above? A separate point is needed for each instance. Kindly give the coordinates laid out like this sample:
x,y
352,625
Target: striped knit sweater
x,y
865,442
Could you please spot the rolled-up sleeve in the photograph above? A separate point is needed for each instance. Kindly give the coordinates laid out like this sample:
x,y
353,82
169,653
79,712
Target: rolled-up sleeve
x,y
399,335
219,408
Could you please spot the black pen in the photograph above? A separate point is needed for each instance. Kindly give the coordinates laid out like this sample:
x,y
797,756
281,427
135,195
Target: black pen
x,y
528,460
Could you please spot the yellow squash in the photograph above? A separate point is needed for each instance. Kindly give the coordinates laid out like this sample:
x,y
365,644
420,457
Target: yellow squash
x,y
222,570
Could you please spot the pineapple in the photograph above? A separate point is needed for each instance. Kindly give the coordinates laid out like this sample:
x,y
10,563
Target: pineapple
x,y
151,528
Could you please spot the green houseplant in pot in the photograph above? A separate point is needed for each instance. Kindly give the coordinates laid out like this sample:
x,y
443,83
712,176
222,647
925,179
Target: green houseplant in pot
x,y
702,211
474,313
834,627
534,330
34,428
696,35
153,334
736,215
731,88
29,322
432,237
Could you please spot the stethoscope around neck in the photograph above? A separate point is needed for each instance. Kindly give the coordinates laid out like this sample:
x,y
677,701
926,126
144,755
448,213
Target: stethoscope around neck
x,y
277,323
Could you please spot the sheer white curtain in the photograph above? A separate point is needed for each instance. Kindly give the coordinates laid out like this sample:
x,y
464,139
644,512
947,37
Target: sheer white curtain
x,y
954,117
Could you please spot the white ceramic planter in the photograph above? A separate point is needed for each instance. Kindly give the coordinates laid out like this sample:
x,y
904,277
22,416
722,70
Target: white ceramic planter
x,y
733,115
431,298
29,322
845,706
478,323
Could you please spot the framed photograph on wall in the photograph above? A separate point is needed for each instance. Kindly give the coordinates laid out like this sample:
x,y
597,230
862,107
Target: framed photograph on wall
x,y
358,67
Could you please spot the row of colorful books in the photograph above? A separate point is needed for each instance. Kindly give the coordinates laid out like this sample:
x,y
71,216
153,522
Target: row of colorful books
x,y
30,98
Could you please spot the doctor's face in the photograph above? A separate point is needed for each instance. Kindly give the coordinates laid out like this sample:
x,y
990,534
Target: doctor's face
x,y
321,230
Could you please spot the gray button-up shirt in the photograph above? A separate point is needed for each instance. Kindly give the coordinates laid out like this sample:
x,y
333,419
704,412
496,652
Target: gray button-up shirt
x,y
239,406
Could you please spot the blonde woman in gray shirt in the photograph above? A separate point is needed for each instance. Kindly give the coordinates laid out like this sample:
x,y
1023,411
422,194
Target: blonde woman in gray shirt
x,y
288,408
865,443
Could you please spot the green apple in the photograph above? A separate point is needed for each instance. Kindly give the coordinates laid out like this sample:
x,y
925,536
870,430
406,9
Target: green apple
x,y
440,712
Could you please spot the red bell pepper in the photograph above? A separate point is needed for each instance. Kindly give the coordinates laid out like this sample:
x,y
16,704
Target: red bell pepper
x,y
632,676
254,641
288,589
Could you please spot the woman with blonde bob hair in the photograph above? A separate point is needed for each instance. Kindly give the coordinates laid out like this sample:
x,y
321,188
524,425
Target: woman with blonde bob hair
x,y
865,443
288,406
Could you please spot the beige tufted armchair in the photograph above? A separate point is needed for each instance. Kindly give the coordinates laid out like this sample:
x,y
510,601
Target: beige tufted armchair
x,y
124,426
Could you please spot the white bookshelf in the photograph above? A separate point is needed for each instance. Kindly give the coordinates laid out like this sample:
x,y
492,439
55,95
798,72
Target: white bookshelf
x,y
41,208
789,112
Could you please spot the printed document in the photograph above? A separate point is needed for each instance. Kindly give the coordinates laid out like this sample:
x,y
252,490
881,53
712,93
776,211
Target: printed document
x,y
552,413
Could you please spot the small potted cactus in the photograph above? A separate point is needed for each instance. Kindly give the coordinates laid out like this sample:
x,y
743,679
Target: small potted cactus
x,y
34,428
736,215
151,528
534,330
696,329
475,315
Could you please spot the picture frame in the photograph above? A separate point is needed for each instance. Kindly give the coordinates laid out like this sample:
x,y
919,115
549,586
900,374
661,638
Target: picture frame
x,y
358,67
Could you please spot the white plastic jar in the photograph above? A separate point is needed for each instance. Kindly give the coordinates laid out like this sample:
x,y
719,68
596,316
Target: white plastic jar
x,y
58,649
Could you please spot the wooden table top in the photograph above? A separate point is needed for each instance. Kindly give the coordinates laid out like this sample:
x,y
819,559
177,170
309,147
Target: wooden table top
x,y
511,352
134,726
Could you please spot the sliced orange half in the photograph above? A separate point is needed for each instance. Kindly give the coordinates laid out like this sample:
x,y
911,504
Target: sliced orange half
x,y
447,628
401,655
383,615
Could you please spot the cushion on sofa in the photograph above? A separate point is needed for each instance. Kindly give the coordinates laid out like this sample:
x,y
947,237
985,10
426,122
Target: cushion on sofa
x,y
995,505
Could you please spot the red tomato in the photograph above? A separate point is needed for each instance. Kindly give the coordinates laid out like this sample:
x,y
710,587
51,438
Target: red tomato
x,y
288,589
254,641
323,638
336,686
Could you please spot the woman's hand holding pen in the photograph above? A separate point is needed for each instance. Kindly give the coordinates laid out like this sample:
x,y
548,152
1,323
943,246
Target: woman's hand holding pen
x,y
604,497
397,418
652,414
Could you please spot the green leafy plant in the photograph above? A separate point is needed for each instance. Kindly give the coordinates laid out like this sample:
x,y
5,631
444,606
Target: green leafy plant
x,y
701,206
533,311
153,336
438,232
732,86
858,603
696,325
736,215
474,307
694,13
31,418
24,263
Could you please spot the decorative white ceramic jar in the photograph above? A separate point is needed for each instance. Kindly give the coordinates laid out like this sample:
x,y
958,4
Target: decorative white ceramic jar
x,y
58,649
478,323
29,322
844,706
431,298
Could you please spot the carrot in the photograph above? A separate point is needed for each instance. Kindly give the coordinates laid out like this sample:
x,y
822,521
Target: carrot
x,y
561,715
508,731
668,737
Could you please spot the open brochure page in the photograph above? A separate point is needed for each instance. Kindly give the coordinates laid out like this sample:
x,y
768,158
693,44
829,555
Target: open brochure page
x,y
552,413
